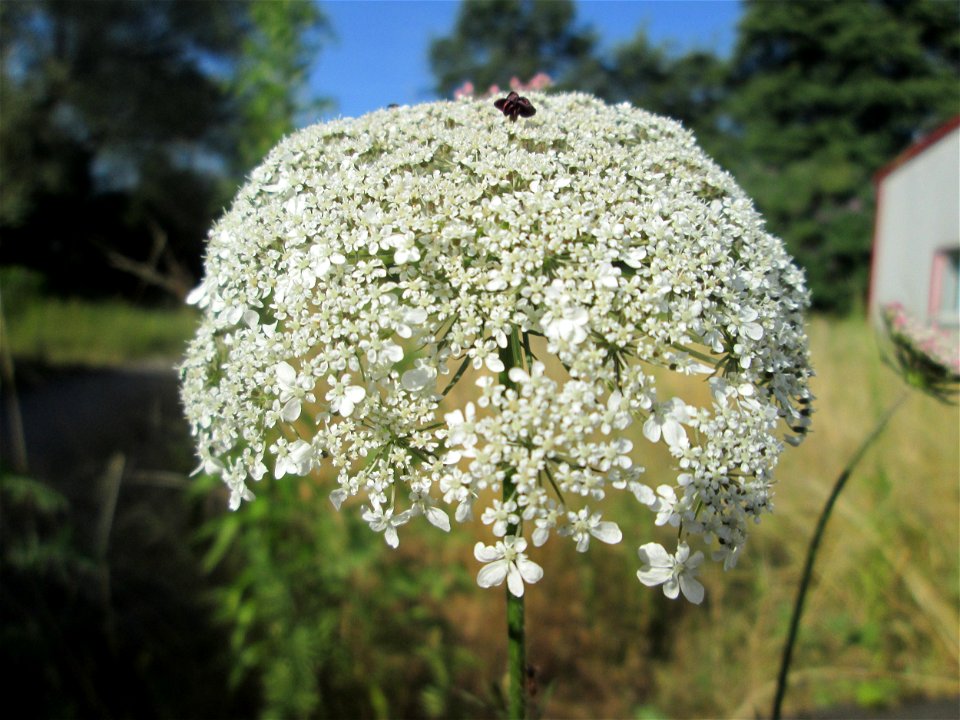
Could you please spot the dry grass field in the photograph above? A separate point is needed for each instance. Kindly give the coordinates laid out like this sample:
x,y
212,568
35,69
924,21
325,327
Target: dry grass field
x,y
881,620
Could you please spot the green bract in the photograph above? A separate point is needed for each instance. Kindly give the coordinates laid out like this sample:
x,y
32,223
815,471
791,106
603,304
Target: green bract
x,y
369,282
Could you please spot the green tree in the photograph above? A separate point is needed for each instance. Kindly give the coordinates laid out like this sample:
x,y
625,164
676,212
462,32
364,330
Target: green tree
x,y
285,37
107,118
822,95
690,87
126,125
494,40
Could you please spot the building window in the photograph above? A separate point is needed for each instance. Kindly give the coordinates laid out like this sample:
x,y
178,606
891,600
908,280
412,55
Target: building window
x,y
945,288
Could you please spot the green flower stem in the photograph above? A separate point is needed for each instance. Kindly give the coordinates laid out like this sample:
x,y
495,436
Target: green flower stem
x,y
815,545
516,659
511,357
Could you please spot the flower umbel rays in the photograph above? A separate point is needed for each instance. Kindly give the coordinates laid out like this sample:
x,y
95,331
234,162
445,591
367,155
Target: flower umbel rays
x,y
434,314
677,573
506,559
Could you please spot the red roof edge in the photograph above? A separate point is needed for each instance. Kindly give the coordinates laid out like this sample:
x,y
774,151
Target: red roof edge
x,y
916,148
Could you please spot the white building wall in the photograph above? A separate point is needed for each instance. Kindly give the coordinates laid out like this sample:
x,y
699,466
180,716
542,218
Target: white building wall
x,y
918,217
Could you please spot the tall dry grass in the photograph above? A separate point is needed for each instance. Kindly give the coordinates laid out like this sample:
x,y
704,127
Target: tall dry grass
x,y
881,621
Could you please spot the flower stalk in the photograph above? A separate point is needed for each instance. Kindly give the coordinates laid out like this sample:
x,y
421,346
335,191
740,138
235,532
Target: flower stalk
x,y
511,356
516,659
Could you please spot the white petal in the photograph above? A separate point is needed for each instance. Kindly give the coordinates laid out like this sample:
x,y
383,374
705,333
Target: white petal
x,y
238,493
291,411
394,240
197,294
515,581
464,512
393,352
281,468
418,378
286,375
438,518
355,393
540,536
655,555
671,588
643,493
494,364
518,375
674,434
234,315
301,451
529,570
337,497
390,535
492,574
486,553
653,576
576,315
251,319
692,589
651,430
415,316
607,532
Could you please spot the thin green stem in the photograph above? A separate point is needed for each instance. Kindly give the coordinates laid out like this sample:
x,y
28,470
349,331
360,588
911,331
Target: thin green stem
x,y
517,659
696,354
511,356
815,545
456,377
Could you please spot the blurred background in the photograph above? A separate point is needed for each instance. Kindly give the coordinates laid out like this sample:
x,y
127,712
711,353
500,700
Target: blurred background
x,y
126,590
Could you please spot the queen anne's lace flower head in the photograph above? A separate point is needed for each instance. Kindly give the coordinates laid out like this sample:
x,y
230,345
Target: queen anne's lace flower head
x,y
428,306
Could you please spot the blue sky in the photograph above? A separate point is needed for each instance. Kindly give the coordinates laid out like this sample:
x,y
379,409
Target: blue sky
x,y
379,55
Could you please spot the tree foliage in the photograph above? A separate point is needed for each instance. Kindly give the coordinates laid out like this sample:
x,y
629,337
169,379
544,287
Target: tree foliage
x,y
688,87
277,52
822,96
123,125
495,40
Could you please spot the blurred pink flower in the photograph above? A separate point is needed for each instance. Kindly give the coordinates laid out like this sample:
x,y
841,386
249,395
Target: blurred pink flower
x,y
540,81
926,356
465,90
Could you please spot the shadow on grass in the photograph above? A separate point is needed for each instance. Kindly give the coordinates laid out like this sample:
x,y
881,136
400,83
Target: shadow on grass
x,y
103,601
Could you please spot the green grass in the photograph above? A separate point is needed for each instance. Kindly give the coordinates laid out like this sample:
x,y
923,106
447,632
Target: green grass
x,y
85,332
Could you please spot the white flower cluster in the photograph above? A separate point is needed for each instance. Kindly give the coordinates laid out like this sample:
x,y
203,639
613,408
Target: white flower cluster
x,y
440,307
